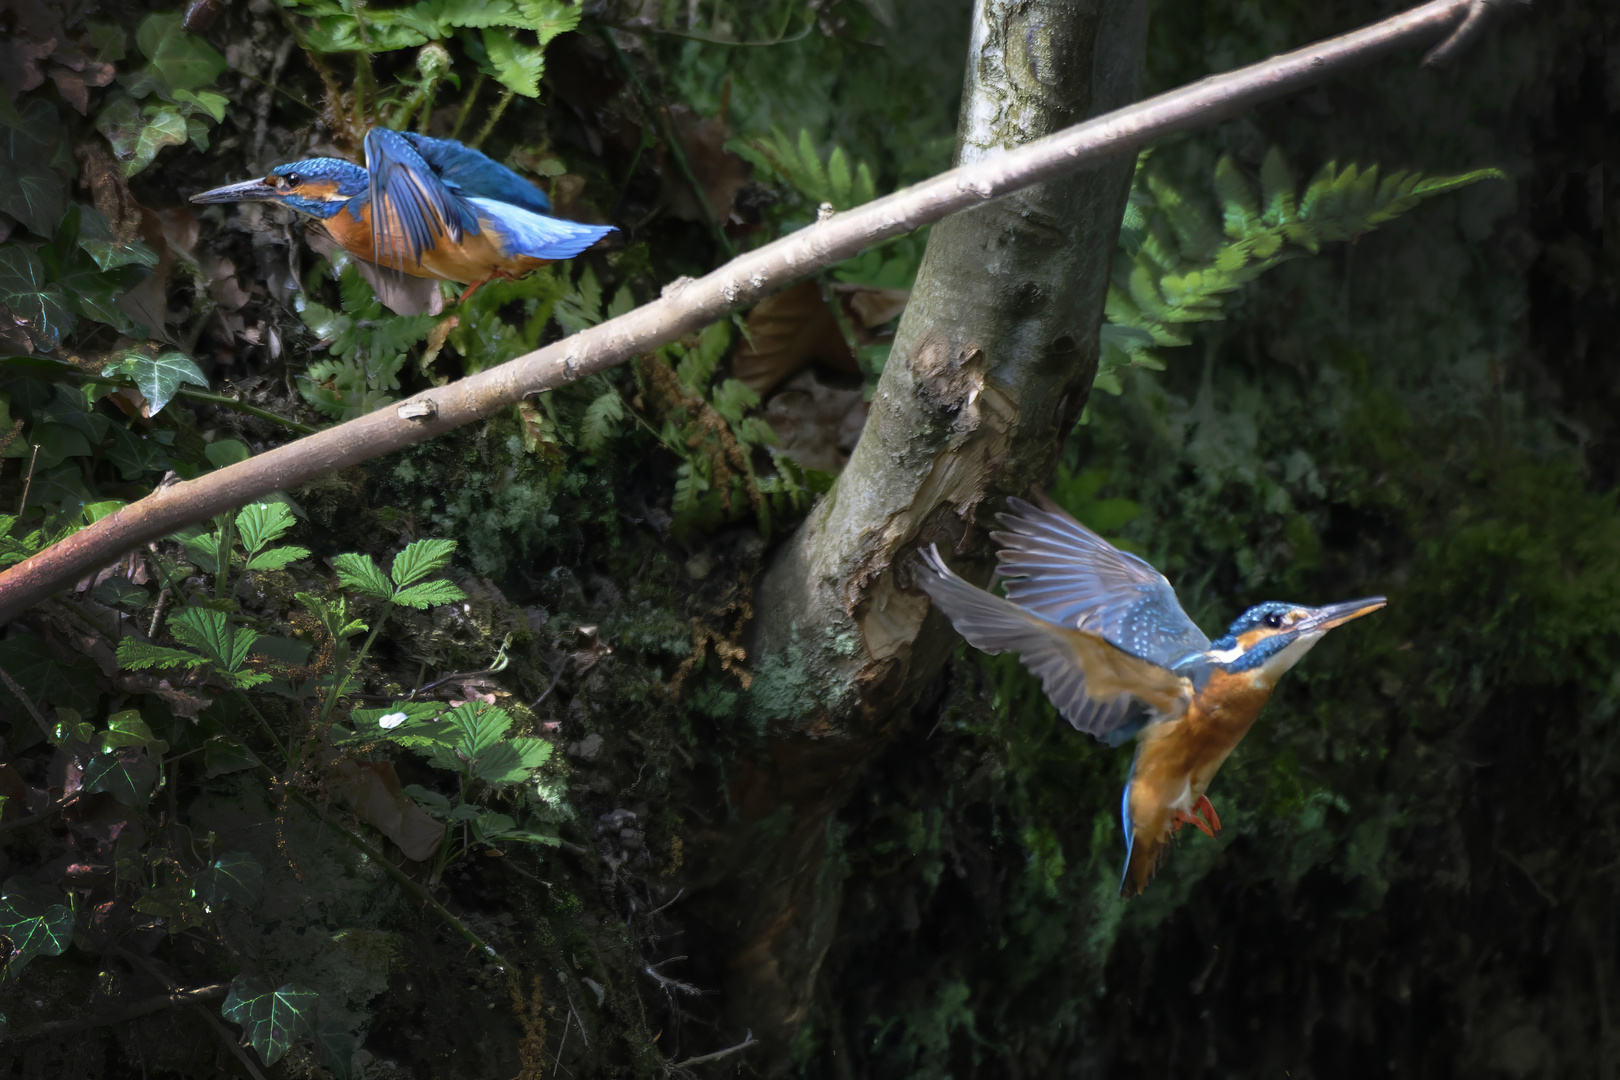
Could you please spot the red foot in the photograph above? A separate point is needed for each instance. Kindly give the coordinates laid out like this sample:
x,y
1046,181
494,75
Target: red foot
x,y
1209,824
499,275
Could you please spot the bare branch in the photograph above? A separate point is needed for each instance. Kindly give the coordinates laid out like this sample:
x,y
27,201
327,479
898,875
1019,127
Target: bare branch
x,y
687,306
748,1040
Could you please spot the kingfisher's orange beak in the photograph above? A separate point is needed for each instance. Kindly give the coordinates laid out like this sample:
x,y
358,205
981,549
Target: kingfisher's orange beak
x,y
1323,619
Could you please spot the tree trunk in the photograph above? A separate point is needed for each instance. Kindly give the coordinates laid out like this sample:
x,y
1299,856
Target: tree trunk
x,y
991,365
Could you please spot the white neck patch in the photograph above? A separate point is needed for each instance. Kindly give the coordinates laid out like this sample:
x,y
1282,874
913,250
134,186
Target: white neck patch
x,y
1278,664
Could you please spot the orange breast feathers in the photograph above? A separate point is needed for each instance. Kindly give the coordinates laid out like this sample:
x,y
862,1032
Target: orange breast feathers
x,y
475,258
1178,758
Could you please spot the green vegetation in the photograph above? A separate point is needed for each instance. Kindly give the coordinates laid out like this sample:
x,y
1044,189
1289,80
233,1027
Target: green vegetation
x,y
424,763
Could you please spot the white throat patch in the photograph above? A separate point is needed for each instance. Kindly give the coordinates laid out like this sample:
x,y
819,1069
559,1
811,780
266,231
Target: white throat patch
x,y
1274,668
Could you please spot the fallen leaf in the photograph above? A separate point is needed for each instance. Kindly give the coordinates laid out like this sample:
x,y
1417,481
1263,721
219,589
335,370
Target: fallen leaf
x,y
870,306
787,331
817,425
374,791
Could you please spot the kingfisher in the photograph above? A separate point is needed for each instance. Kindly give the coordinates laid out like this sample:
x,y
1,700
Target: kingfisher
x,y
424,207
1118,657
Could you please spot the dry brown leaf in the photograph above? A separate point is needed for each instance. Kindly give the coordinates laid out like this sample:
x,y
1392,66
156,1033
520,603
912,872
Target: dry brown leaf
x,y
719,172
818,425
870,306
788,331
373,790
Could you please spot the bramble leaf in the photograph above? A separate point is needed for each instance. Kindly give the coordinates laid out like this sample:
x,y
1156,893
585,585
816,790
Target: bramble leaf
x,y
429,594
419,559
511,761
360,573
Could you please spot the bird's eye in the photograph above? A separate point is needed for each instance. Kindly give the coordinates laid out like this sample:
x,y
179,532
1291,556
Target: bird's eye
x,y
293,179
1273,620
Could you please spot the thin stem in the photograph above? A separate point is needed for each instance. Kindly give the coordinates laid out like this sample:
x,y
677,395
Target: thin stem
x,y
405,881
286,755
28,482
467,104
672,137
494,118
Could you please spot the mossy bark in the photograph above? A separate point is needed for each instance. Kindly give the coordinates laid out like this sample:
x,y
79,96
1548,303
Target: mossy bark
x,y
991,365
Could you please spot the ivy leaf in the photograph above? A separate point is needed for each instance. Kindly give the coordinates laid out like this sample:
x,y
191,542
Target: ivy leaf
x,y
208,101
518,67
271,1019
30,190
511,761
128,729
166,127
39,303
157,378
359,573
28,660
419,559
180,60
97,240
223,755
35,919
235,875
128,775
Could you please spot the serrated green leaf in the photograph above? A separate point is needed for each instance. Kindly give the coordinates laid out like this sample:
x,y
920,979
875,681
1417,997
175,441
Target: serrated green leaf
x,y
1240,213
420,558
158,378
1277,189
211,632
136,655
839,181
511,761
813,177
277,558
480,726
271,1019
733,398
429,800
235,875
37,920
429,594
359,573
258,525
601,417
517,67
865,191
548,18
128,775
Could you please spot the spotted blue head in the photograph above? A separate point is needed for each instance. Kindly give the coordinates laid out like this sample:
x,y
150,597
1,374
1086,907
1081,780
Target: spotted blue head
x,y
319,187
1270,638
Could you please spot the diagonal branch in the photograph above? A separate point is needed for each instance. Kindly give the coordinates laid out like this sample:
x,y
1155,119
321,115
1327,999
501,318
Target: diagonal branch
x,y
687,305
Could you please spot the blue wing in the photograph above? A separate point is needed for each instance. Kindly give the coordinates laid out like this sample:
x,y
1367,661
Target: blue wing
x,y
535,235
476,175
410,206
1098,687
1065,573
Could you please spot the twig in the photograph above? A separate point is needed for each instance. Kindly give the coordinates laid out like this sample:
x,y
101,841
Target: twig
x,y
1473,24
406,882
665,982
466,105
494,118
35,819
145,1007
135,959
27,702
666,904
22,504
748,1040
686,306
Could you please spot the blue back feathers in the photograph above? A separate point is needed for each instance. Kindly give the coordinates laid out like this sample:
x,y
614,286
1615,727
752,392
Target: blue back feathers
x,y
476,175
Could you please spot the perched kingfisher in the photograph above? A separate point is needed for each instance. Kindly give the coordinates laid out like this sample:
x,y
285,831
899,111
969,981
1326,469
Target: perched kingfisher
x,y
1115,653
446,210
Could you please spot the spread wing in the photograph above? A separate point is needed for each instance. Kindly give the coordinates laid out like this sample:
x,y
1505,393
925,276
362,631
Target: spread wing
x,y
476,175
535,235
410,206
1064,572
1097,687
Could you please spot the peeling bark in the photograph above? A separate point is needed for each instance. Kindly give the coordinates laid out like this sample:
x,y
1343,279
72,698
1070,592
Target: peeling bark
x,y
991,365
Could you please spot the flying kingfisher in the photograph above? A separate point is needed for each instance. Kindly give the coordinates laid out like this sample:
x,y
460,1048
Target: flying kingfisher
x,y
1115,653
445,210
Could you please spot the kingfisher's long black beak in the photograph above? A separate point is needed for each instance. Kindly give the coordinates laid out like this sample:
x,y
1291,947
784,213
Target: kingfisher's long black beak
x,y
1323,619
246,191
